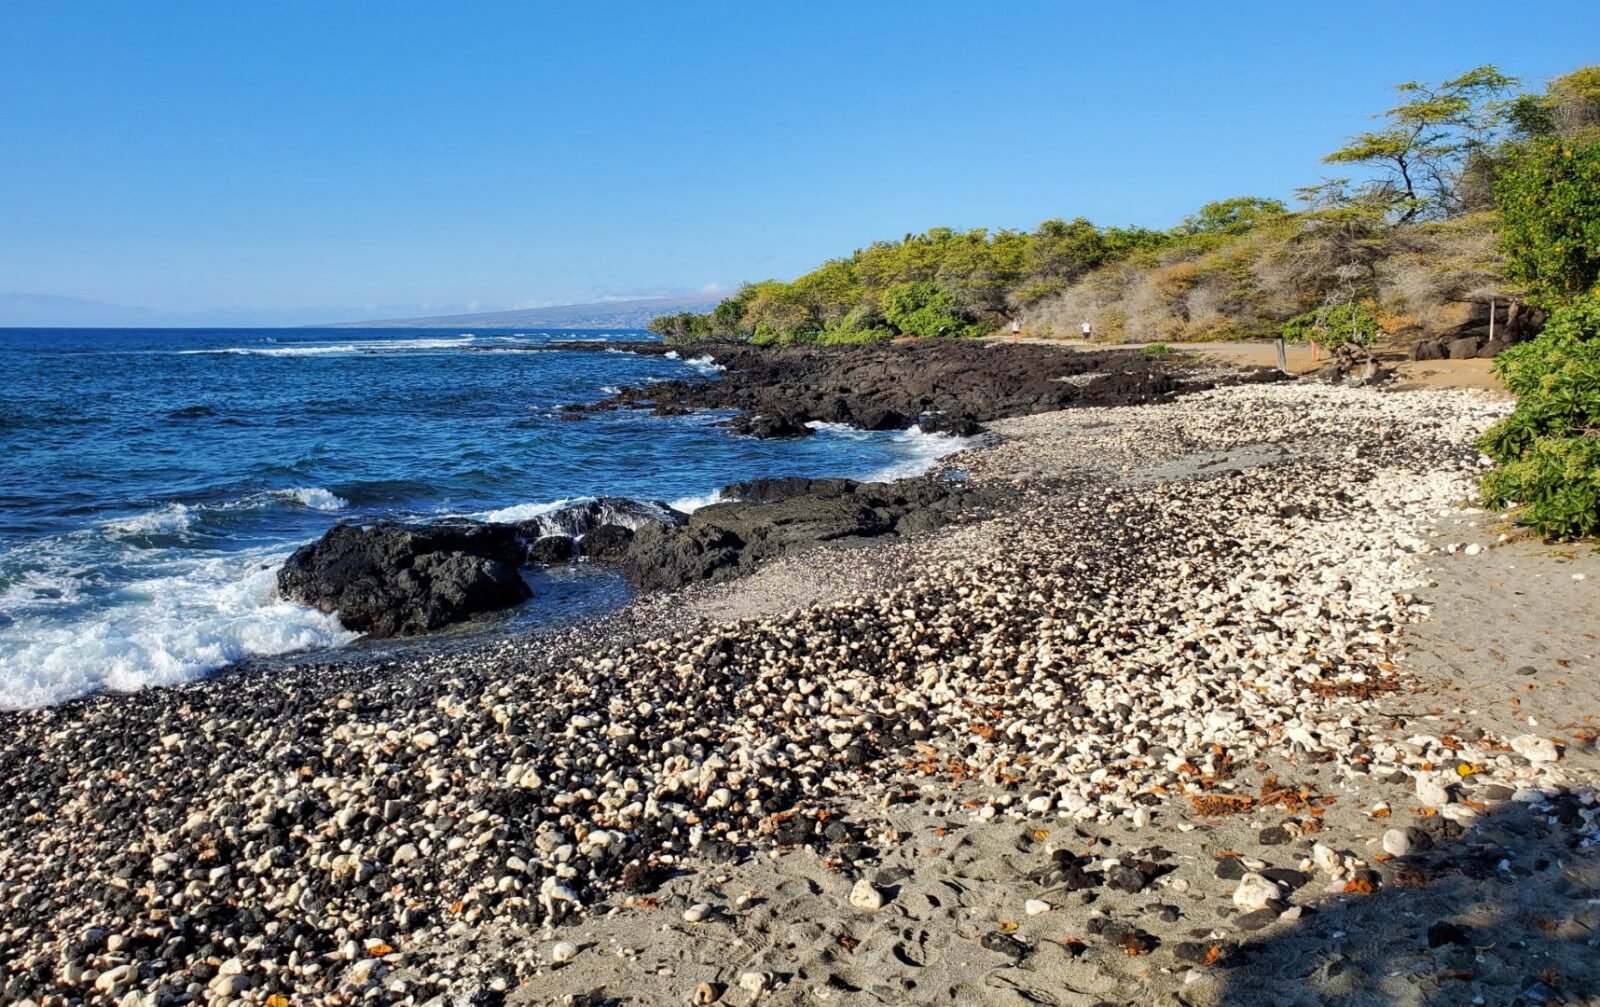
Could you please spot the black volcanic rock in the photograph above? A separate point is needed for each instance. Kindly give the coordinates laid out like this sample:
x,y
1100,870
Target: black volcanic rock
x,y
399,580
766,518
943,385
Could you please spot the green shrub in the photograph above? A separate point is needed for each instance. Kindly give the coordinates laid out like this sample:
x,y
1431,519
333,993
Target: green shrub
x,y
1548,450
924,309
1158,350
1549,199
1334,326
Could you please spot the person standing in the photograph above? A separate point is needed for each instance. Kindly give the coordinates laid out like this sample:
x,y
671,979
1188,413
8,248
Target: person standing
x,y
1088,332
1016,330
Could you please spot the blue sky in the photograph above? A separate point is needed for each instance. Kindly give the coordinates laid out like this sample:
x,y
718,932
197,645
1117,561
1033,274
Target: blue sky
x,y
284,159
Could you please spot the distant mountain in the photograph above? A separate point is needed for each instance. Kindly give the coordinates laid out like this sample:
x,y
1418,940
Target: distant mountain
x,y
46,310
635,314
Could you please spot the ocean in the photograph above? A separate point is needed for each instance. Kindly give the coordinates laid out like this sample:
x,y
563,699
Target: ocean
x,y
152,481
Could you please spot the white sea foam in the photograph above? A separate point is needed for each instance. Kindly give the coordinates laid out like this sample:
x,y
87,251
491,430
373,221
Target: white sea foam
x,y
705,365
178,518
528,511
919,451
332,349
923,452
689,505
314,497
168,519
189,616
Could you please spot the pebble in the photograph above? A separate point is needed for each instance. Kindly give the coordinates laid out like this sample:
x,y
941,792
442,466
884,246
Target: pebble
x,y
1396,843
1431,793
1534,748
697,913
1035,907
1254,892
866,897
755,983
563,951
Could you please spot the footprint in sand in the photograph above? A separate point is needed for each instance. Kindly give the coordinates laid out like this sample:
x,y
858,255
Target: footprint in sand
x,y
912,949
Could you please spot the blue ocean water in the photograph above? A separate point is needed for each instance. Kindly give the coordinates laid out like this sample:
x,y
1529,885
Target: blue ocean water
x,y
152,481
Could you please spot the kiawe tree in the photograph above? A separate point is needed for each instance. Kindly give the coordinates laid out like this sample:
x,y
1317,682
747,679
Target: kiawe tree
x,y
1428,140
1233,216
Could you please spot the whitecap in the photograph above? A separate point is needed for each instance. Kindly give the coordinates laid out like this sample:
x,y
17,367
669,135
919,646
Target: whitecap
x,y
705,365
528,511
922,452
168,519
690,504
314,497
191,617
422,343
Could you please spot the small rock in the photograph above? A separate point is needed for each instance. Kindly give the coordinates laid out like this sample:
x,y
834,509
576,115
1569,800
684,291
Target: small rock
x,y
1254,892
1534,748
755,982
1444,932
1395,843
1431,793
1036,907
707,993
1275,835
866,897
1127,879
696,913
563,952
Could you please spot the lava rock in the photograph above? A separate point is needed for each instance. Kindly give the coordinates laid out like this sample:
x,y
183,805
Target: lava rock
x,y
609,541
398,580
552,550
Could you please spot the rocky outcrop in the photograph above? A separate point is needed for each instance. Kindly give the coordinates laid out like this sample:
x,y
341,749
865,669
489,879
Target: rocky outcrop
x,y
943,385
393,579
399,580
767,518
578,519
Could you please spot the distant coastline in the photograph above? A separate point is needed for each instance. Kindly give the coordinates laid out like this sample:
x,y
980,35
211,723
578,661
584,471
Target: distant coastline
x,y
630,314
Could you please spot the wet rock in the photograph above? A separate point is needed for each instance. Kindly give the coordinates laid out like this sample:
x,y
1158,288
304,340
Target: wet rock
x,y
395,580
609,541
552,550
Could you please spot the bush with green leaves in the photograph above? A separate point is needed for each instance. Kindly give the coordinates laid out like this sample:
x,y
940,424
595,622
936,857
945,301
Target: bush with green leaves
x,y
1155,350
1334,326
1549,198
924,309
1548,450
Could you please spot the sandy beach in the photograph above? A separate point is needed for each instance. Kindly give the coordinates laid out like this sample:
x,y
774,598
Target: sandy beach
x,y
1238,701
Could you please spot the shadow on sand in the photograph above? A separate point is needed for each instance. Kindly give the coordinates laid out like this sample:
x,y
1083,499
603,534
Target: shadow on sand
x,y
1504,912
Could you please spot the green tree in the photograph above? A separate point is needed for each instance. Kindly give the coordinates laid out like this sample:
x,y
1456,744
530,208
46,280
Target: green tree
x,y
1549,197
1233,216
778,312
1548,450
1422,150
924,309
1059,254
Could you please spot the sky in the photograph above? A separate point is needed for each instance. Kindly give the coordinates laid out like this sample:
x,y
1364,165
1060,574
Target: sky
x,y
296,161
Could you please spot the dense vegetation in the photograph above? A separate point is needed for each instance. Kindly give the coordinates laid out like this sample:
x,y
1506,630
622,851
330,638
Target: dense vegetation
x,y
1415,241
1548,451
1471,194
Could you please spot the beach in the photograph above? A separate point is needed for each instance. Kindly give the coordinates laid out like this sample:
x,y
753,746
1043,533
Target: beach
x,y
1214,699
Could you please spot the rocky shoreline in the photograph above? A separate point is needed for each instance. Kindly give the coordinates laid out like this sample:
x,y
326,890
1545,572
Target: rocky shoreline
x,y
396,579
1147,733
941,386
